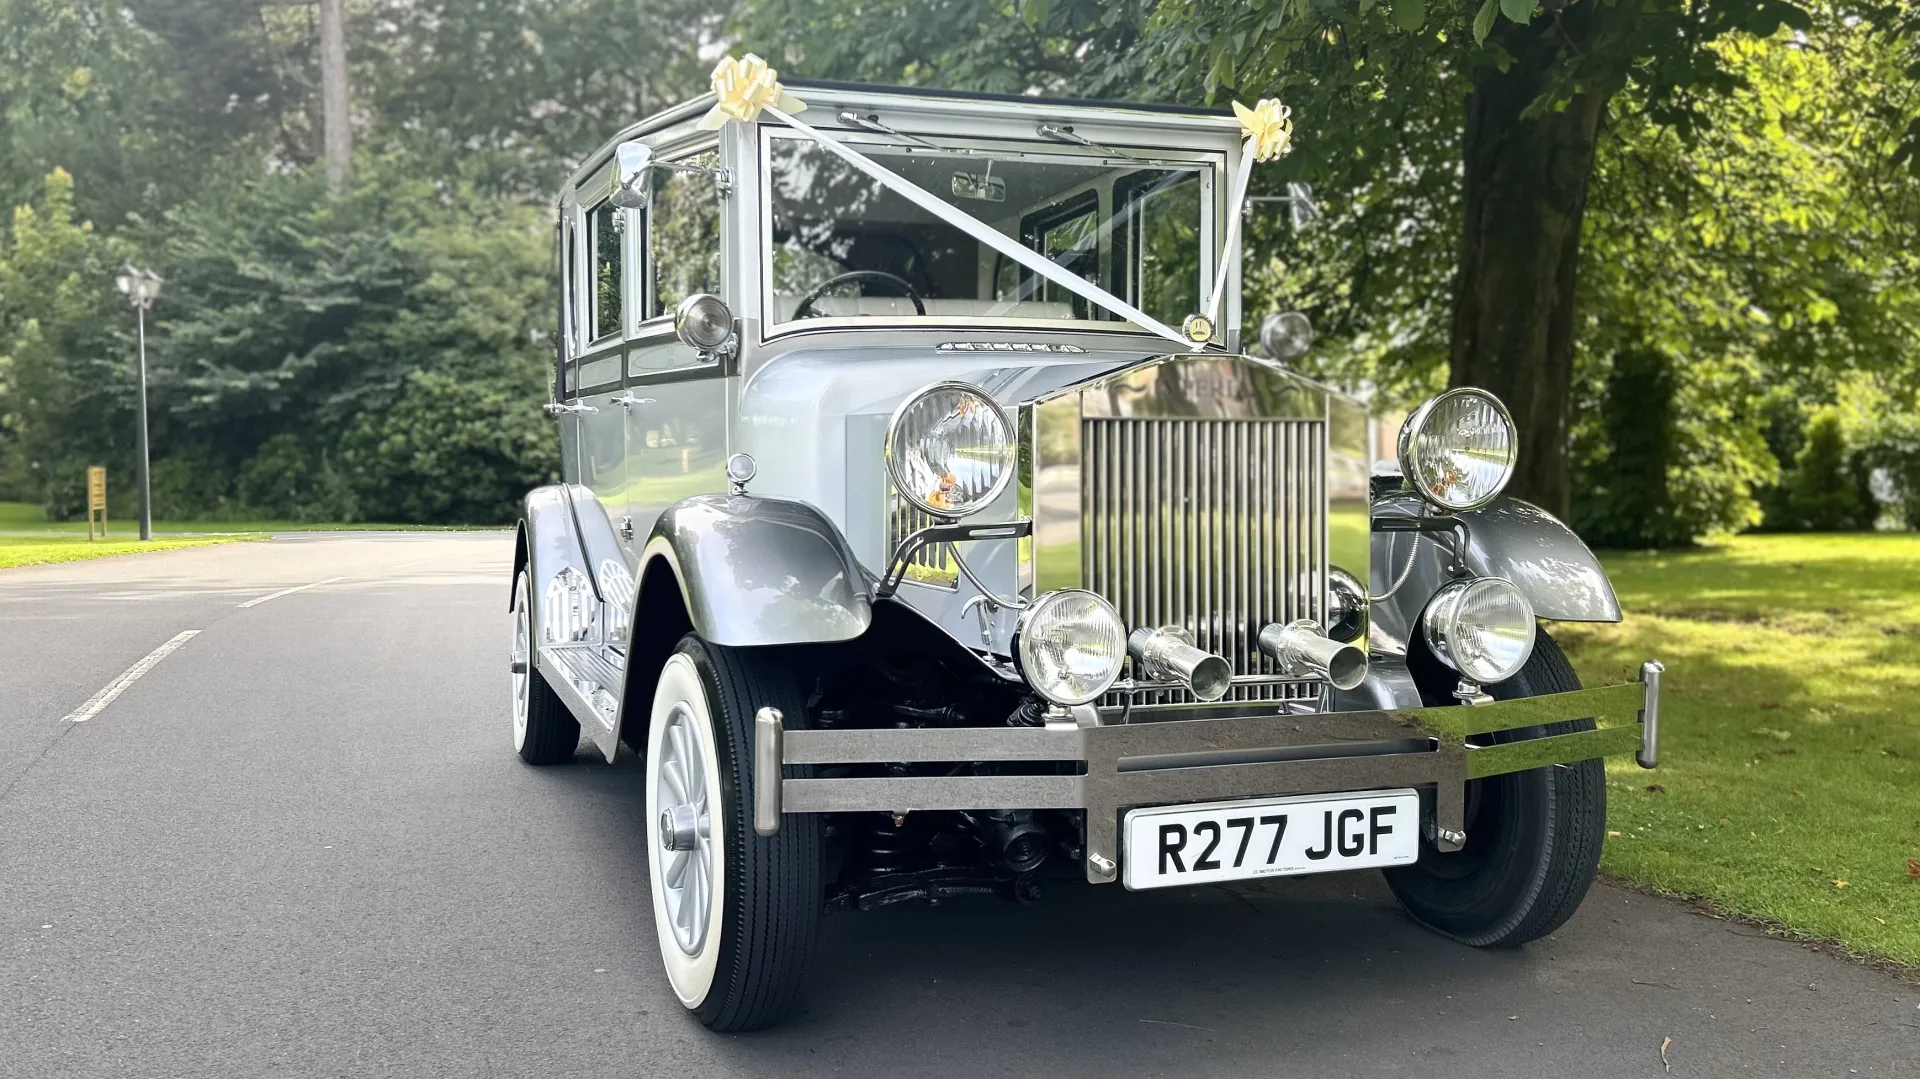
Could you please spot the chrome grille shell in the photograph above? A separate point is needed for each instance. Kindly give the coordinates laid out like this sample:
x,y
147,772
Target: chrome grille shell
x,y
1191,491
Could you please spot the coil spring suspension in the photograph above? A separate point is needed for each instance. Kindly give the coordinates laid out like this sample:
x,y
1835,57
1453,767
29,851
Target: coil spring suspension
x,y
889,847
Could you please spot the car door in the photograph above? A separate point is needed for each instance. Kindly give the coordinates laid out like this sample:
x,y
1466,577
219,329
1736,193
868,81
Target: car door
x,y
676,421
603,302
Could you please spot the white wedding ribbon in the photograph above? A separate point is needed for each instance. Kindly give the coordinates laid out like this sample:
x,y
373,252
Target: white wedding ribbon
x,y
986,234
1230,251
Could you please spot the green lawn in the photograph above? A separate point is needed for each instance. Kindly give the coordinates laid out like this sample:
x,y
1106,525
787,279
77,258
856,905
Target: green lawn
x,y
1789,788
27,538
36,550
26,517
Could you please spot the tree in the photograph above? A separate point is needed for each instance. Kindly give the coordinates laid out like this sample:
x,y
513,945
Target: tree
x,y
1481,117
65,377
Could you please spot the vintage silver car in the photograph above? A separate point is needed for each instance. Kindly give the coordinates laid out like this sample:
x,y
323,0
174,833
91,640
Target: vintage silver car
x,y
910,566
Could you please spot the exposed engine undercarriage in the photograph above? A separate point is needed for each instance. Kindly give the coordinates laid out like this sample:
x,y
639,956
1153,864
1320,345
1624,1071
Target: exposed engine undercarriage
x,y
905,674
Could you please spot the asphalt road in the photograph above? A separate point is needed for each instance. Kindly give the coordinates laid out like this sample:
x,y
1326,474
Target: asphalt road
x,y
301,846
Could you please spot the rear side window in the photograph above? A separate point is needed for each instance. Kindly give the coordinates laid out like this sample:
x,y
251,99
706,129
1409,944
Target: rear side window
x,y
604,223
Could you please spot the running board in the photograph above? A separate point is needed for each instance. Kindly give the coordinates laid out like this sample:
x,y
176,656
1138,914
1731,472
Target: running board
x,y
589,680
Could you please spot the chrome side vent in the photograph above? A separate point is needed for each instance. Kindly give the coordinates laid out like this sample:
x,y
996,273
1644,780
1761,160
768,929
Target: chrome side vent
x,y
1217,526
930,565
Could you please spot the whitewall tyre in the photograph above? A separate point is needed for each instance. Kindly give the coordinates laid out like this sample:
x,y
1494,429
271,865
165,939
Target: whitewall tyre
x,y
544,732
735,912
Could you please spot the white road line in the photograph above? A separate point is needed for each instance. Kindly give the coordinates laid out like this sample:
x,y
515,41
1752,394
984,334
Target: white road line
x,y
113,689
288,591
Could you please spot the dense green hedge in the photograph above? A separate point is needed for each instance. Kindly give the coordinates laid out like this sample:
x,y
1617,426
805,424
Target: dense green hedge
x,y
377,356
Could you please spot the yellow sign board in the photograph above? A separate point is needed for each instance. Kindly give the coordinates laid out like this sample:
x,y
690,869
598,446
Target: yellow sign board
x,y
97,499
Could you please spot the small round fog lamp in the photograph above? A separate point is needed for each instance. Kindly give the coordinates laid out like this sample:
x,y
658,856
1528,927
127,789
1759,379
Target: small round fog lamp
x,y
1482,627
1071,646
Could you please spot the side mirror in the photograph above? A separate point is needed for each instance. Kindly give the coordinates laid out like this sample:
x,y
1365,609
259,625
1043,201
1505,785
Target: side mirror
x,y
632,175
1286,336
1301,209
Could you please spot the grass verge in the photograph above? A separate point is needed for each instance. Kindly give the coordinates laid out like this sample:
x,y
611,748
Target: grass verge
x,y
1789,788
27,517
39,550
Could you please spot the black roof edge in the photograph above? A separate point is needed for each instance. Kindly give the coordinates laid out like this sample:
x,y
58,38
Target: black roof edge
x,y
970,95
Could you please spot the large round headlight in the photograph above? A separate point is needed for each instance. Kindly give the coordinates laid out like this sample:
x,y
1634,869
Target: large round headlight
x,y
950,449
1458,449
1072,645
1482,627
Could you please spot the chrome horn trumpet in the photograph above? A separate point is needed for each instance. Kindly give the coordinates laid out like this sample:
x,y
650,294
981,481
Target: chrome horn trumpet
x,y
1302,651
1167,654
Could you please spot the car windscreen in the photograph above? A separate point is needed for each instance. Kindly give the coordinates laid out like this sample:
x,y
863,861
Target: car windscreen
x,y
845,245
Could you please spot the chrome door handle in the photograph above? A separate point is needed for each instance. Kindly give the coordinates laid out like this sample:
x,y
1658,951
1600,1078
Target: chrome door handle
x,y
630,402
555,408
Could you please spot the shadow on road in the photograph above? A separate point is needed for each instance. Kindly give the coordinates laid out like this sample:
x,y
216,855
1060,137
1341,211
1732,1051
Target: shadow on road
x,y
1093,974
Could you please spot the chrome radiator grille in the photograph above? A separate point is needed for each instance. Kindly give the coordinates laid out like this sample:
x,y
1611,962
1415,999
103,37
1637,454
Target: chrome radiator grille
x,y
929,565
1215,525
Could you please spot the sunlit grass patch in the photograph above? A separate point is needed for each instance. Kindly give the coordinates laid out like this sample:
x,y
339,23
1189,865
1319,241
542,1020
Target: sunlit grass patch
x,y
1789,788
39,550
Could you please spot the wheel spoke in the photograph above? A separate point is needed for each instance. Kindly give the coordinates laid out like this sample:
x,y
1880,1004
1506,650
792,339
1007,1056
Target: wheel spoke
x,y
672,784
682,750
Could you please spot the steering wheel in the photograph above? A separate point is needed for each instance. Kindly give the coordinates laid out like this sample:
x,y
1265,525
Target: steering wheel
x,y
805,309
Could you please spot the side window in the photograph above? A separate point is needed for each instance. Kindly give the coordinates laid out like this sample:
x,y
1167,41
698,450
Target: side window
x,y
609,271
1159,270
1067,233
684,230
565,341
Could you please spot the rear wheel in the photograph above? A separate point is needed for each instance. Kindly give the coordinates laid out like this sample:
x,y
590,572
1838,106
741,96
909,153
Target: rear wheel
x,y
544,732
735,912
1533,837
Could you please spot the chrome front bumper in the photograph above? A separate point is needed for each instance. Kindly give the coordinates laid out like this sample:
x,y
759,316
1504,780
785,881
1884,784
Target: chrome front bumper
x,y
1207,755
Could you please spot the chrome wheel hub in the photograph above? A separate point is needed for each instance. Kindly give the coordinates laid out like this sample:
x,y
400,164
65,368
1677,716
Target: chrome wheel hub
x,y
679,828
687,868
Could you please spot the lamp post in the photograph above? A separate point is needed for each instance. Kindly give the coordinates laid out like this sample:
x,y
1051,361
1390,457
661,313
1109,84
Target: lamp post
x,y
141,288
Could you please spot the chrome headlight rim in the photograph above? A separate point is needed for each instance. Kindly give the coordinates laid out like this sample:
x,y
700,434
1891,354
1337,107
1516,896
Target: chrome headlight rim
x,y
1440,624
894,463
1347,610
1407,447
1023,642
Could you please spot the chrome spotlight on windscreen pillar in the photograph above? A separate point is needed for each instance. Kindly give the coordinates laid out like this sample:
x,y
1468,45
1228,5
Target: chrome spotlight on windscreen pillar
x,y
1167,654
1302,651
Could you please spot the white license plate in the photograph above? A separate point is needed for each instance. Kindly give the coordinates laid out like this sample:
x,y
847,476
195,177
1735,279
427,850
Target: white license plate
x,y
1268,837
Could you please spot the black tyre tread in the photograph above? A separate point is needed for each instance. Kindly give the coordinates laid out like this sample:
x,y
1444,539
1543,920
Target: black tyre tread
x,y
1577,810
1574,819
773,887
552,733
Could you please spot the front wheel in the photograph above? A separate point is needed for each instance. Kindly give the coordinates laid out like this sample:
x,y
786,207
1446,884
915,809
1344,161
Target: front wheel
x,y
1533,837
735,912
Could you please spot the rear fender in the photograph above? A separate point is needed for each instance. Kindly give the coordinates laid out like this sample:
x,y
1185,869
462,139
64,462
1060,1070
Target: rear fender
x,y
581,587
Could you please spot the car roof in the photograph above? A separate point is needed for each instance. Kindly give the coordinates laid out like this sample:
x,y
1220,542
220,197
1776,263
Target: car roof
x,y
930,100
1027,99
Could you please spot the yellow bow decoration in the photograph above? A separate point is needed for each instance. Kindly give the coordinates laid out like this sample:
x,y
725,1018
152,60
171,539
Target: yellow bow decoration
x,y
744,87
1269,125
